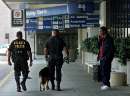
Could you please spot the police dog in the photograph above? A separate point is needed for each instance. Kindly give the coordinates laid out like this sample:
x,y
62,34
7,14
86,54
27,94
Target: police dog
x,y
44,79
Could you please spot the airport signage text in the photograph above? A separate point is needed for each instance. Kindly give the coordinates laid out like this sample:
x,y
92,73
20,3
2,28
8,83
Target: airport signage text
x,y
71,8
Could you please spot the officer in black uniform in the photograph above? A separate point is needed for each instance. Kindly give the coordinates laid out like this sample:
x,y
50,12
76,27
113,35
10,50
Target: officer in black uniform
x,y
20,52
54,47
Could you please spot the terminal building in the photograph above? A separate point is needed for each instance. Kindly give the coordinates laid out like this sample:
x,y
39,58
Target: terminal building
x,y
77,20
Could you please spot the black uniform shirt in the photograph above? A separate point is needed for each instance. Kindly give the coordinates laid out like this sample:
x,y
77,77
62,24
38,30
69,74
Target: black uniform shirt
x,y
19,49
55,46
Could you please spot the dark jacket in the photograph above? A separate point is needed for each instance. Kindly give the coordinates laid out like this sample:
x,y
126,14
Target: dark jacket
x,y
108,48
55,46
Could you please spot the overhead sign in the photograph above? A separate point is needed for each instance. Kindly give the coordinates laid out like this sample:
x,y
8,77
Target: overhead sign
x,y
6,35
47,22
33,13
62,22
31,25
82,21
71,8
87,7
17,18
58,22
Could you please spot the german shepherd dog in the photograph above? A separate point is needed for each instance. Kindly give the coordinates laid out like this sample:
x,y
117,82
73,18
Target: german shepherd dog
x,y
44,79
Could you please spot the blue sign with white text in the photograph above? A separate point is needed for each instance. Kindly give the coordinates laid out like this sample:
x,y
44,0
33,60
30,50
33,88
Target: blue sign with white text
x,y
62,22
31,13
71,8
88,7
31,25
82,21
47,22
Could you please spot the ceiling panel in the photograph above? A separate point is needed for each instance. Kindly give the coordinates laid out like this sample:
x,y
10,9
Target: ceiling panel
x,y
46,1
22,4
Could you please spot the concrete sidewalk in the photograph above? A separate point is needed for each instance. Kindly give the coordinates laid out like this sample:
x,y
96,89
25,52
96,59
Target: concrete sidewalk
x,y
76,82
5,72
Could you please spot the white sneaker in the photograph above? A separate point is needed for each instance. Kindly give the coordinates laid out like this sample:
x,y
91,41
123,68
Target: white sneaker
x,y
104,87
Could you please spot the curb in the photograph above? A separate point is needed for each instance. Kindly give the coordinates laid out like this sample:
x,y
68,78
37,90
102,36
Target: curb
x,y
3,62
2,82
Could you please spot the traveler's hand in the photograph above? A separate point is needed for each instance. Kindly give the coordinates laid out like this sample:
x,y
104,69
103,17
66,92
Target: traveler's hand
x,y
31,63
97,58
46,57
103,58
66,59
9,63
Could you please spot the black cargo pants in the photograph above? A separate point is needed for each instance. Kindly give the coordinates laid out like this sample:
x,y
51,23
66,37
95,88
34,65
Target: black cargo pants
x,y
21,66
55,64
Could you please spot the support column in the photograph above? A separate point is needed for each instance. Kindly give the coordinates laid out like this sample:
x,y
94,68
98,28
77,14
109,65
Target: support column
x,y
79,41
82,35
35,45
128,72
102,20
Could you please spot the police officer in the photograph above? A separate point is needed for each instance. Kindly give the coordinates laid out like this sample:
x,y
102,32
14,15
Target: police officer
x,y
54,47
19,51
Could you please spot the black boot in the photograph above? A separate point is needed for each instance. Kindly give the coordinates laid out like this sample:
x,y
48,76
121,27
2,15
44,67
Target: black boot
x,y
23,84
58,86
18,86
53,85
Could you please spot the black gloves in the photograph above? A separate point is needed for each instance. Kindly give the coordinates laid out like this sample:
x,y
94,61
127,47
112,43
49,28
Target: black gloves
x,y
46,57
66,59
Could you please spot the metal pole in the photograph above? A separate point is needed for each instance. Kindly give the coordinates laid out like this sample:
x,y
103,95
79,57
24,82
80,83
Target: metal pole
x,y
25,24
127,19
34,45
